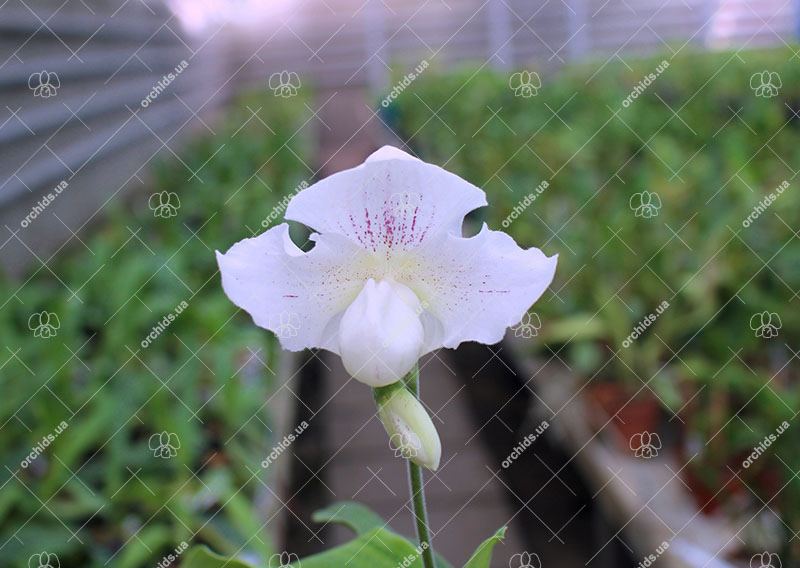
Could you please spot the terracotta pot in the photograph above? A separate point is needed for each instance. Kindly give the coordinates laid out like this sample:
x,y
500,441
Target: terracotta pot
x,y
629,414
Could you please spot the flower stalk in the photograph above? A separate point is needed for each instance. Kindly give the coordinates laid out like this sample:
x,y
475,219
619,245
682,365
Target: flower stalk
x,y
417,487
412,431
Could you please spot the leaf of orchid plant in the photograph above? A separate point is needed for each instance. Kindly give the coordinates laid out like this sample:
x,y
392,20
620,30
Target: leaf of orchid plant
x,y
355,516
202,557
483,555
360,519
377,548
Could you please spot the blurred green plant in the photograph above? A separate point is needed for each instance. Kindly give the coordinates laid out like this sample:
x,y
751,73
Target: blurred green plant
x,y
374,546
158,425
711,149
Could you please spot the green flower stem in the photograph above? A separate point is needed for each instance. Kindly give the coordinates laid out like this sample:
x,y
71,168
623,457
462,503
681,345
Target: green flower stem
x,y
384,396
417,488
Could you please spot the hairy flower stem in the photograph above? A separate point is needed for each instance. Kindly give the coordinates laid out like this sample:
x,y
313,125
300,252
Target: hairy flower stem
x,y
411,381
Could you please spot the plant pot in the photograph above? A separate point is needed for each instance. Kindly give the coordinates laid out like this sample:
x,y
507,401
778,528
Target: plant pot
x,y
629,413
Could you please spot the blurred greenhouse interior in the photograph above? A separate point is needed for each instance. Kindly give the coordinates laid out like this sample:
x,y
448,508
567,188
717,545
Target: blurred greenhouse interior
x,y
642,413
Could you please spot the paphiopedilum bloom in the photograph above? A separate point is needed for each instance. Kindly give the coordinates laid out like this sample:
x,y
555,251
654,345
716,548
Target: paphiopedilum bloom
x,y
390,277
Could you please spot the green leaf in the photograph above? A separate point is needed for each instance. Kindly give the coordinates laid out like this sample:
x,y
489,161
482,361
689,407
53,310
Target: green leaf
x,y
483,555
377,548
355,516
150,538
360,519
202,557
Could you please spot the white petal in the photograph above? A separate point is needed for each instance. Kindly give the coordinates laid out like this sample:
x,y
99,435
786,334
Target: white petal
x,y
475,288
380,334
391,201
297,295
389,153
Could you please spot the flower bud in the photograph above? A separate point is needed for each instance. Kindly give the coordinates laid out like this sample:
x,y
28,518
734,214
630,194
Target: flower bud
x,y
380,334
411,431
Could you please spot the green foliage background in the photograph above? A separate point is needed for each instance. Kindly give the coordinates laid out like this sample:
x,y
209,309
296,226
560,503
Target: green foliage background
x,y
700,138
97,493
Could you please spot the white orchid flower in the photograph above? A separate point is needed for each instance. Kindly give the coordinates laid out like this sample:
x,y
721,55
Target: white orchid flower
x,y
384,285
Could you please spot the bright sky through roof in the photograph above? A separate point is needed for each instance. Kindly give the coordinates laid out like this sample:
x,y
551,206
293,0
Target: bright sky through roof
x,y
202,15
